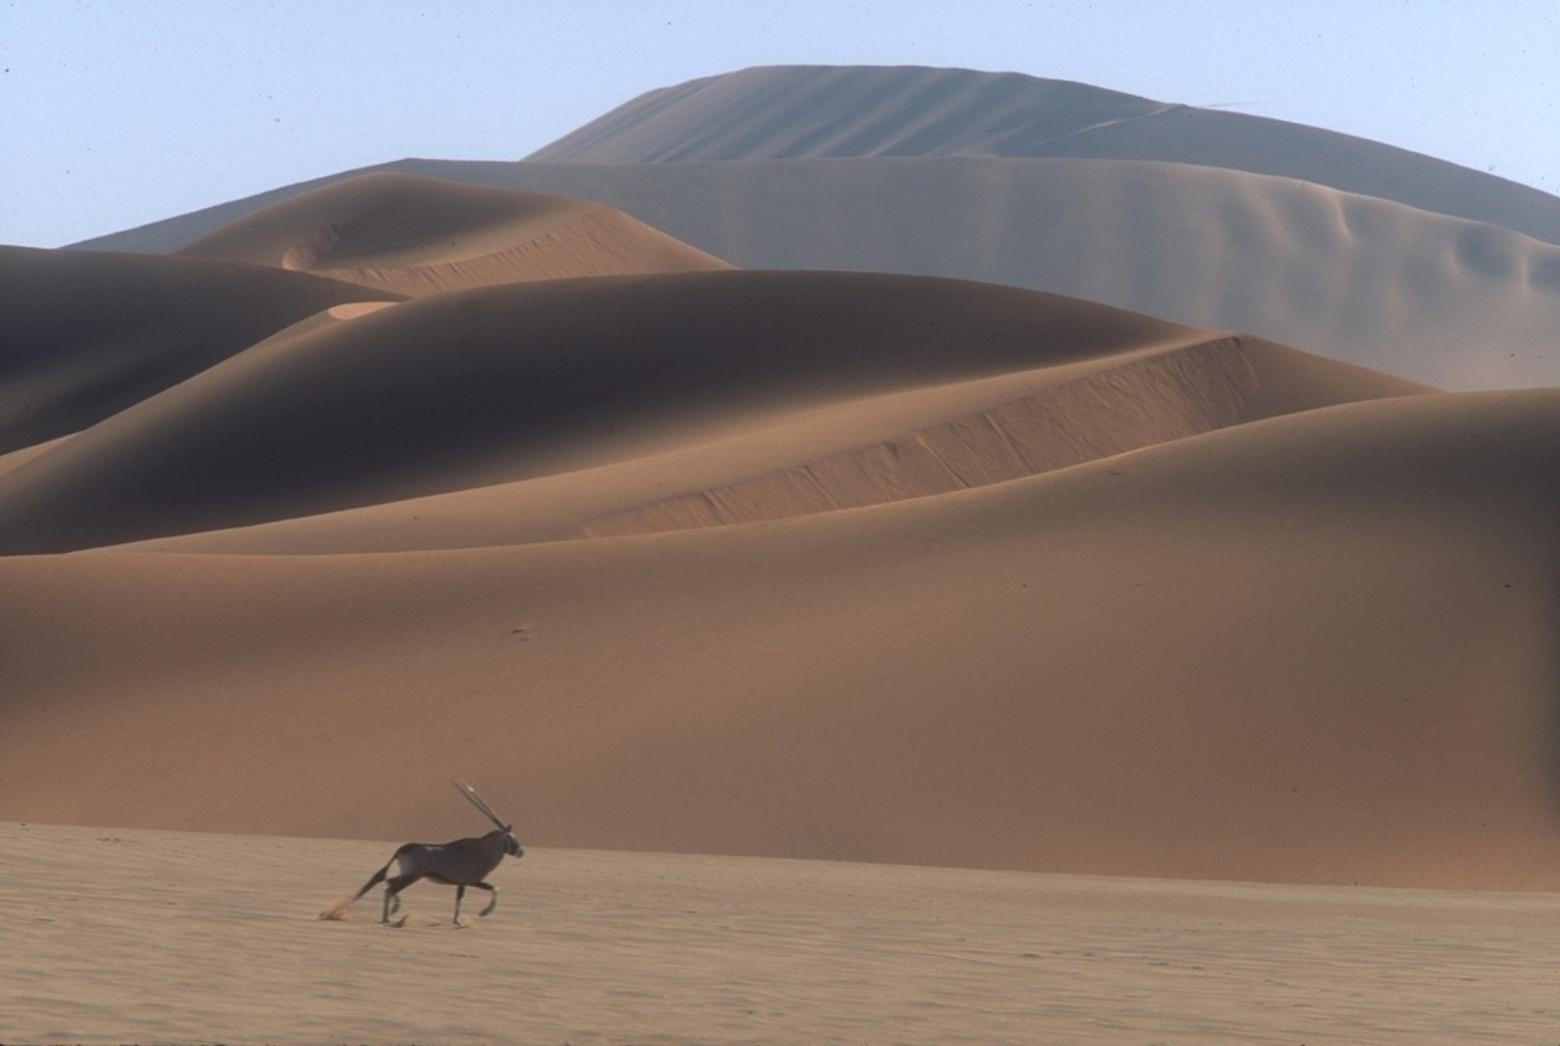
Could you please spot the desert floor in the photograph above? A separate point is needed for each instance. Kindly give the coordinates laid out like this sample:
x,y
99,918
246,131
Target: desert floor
x,y
128,935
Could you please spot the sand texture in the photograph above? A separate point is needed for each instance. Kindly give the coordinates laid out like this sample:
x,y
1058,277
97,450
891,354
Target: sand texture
x,y
784,112
415,236
172,937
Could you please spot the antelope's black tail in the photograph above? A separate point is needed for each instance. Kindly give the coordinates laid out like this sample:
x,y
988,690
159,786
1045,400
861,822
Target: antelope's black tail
x,y
379,876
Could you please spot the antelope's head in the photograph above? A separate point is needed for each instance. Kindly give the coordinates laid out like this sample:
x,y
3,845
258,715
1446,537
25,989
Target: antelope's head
x,y
511,844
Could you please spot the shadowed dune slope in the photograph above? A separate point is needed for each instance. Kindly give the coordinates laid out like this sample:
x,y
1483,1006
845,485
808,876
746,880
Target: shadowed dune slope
x,y
85,334
859,452
782,112
1313,648
1360,279
525,380
15,458
416,235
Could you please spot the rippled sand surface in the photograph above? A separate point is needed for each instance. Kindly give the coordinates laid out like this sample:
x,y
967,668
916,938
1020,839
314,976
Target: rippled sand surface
x,y
118,935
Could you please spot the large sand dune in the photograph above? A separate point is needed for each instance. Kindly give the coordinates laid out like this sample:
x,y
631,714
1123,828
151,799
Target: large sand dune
x,y
531,379
857,566
783,112
1454,303
1360,279
853,452
416,235
1313,648
1351,248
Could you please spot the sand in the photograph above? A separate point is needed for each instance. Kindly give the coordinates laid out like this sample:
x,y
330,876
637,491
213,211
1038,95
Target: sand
x,y
1349,248
830,565
852,453
1313,648
84,335
525,380
781,112
173,937
1357,278
416,236
1023,668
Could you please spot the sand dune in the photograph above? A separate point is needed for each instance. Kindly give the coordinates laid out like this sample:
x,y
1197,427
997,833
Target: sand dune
x,y
220,944
1315,648
1350,248
416,235
857,452
1145,400
14,458
527,380
1454,303
782,112
84,334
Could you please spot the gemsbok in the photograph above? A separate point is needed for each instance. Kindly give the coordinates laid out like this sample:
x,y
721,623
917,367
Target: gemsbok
x,y
462,863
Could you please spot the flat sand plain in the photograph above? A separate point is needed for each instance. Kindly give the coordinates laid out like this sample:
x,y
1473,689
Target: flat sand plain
x,y
116,935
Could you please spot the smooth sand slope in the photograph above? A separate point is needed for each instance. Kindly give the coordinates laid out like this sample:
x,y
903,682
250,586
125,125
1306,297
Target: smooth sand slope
x,y
416,235
527,380
1454,303
855,452
84,334
1314,648
170,937
781,112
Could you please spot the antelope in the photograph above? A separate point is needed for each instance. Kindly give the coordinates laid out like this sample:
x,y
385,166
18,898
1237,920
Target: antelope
x,y
462,863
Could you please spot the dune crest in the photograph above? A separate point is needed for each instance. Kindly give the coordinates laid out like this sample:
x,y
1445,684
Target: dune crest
x,y
84,334
356,309
1360,279
526,380
788,112
415,235
857,451
1309,648
1147,398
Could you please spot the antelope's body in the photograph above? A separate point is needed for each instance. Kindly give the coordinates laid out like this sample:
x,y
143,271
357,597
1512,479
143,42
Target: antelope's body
x,y
461,864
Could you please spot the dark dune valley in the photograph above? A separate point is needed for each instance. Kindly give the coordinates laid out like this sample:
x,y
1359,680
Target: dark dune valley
x,y
918,467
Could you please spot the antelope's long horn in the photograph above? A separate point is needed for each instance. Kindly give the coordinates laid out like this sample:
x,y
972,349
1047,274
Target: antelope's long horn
x,y
480,803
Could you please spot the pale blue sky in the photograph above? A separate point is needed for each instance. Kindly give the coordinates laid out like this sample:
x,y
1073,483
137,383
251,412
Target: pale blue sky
x,y
113,114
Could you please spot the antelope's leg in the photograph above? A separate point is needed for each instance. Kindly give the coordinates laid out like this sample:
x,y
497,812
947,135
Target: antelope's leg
x,y
492,891
393,888
460,891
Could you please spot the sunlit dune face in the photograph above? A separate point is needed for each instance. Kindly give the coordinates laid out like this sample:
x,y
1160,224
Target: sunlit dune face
x,y
353,310
416,236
